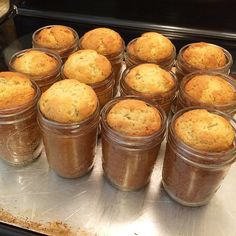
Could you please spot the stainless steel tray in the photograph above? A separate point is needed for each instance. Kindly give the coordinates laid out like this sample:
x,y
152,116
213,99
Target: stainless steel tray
x,y
90,204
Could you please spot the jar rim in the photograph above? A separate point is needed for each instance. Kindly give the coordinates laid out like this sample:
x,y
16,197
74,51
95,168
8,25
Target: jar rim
x,y
136,140
226,53
203,155
4,113
61,49
125,86
38,77
227,78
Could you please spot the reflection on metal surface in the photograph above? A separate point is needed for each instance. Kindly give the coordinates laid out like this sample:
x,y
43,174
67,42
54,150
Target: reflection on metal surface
x,y
92,204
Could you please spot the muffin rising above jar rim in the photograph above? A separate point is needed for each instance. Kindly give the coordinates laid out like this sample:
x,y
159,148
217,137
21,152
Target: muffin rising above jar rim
x,y
151,47
68,101
210,89
134,118
149,78
205,131
103,40
204,56
16,90
87,66
35,63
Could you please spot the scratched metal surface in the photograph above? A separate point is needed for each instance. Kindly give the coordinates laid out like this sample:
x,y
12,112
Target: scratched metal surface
x,y
93,205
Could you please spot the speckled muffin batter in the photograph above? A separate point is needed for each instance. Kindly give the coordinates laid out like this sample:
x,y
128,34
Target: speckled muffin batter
x,y
205,131
134,118
68,101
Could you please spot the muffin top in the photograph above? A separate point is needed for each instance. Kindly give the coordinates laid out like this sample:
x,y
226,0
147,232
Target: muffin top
x,y
87,66
68,101
149,78
151,47
105,41
210,89
35,63
55,37
204,131
204,56
15,90
134,117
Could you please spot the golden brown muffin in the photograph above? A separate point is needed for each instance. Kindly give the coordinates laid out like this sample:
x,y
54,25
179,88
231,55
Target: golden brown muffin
x,y
204,131
151,47
204,56
149,78
134,117
55,37
105,41
35,63
68,101
210,89
87,66
15,90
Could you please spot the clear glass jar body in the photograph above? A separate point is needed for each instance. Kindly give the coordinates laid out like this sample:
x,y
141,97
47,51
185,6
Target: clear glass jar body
x,y
20,139
103,89
183,68
132,60
128,161
70,148
165,100
63,52
45,81
189,176
184,100
116,62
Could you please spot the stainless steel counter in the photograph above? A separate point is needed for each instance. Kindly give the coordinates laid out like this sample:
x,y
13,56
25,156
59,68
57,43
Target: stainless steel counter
x,y
93,205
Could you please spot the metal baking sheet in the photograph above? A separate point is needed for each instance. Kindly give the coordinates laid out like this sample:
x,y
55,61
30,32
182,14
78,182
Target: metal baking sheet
x,y
93,206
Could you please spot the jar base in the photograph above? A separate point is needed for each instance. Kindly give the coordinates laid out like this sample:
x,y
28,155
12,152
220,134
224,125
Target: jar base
x,y
184,203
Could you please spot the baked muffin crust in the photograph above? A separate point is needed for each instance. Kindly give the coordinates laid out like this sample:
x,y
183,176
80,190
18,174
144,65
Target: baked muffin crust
x,y
134,117
204,131
149,78
87,66
204,56
35,63
68,101
103,40
55,37
210,89
151,47
15,90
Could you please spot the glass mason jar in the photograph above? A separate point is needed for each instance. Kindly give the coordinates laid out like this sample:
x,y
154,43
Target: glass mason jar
x,y
103,89
20,139
165,100
63,52
190,176
116,62
45,81
183,68
128,161
184,100
132,60
70,148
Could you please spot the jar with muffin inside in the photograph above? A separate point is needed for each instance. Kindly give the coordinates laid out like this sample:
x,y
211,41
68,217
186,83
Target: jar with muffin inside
x,y
68,116
209,89
61,39
152,82
132,132
20,139
200,150
202,56
109,43
151,47
91,68
39,64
